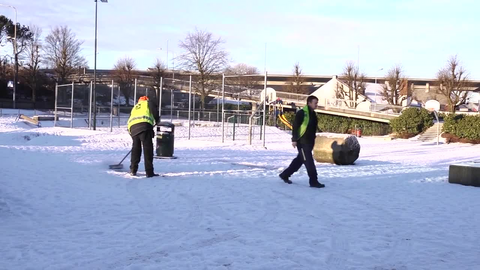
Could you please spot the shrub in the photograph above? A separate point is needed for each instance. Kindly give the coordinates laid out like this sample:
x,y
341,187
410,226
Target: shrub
x,y
412,122
465,127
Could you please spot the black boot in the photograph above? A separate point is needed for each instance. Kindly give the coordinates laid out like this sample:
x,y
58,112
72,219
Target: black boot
x,y
316,185
152,175
285,179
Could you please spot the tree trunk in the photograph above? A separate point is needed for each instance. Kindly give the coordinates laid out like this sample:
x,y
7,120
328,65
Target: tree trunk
x,y
34,93
202,101
451,106
15,76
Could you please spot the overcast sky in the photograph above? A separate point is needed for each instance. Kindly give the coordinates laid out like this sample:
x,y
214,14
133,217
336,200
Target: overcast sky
x,y
322,35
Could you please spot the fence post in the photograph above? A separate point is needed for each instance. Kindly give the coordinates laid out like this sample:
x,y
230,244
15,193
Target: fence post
x,y
160,94
189,105
135,93
234,124
193,112
172,101
90,107
250,131
111,108
71,103
218,108
223,108
56,102
118,111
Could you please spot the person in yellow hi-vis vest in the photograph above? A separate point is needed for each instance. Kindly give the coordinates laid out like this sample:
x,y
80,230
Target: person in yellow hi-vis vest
x,y
304,131
142,119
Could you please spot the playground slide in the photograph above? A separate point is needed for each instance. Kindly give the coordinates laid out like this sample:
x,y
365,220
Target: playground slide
x,y
285,121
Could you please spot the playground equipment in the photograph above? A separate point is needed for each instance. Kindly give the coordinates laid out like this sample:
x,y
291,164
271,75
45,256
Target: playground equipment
x,y
254,117
29,120
277,111
284,121
232,119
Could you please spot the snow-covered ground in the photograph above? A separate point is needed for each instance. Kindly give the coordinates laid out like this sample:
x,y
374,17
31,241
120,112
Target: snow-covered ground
x,y
222,206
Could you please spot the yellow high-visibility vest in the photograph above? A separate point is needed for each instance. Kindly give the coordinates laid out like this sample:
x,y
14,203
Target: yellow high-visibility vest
x,y
306,120
140,114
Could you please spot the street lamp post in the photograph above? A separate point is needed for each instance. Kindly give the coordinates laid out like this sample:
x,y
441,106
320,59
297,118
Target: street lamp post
x,y
15,52
173,82
376,76
95,69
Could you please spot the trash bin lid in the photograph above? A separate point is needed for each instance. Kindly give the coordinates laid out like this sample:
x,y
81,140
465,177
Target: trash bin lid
x,y
166,124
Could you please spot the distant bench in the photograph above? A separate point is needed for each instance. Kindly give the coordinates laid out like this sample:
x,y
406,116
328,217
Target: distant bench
x,y
44,117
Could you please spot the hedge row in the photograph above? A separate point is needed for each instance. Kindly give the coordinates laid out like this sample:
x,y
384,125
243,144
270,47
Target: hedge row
x,y
462,126
339,124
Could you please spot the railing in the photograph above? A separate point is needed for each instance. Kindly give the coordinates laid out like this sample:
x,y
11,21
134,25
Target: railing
x,y
27,112
208,116
362,106
292,97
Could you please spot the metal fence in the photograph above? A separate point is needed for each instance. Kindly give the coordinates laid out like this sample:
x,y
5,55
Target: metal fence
x,y
177,99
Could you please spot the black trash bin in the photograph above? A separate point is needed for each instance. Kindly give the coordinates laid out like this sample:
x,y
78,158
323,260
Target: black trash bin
x,y
165,139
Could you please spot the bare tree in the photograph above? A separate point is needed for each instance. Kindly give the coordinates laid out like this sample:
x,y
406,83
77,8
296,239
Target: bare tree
x,y
23,36
203,54
124,73
5,67
453,82
244,80
296,84
157,72
395,90
62,52
4,25
31,72
353,85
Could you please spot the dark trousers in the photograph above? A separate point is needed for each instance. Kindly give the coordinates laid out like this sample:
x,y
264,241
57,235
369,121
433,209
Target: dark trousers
x,y
143,139
304,157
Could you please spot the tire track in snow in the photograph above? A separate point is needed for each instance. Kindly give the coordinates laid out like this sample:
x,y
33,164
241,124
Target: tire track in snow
x,y
148,244
401,238
194,215
340,244
169,237
270,212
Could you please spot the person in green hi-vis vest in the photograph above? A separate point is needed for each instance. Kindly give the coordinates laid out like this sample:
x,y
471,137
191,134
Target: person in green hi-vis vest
x,y
142,119
304,131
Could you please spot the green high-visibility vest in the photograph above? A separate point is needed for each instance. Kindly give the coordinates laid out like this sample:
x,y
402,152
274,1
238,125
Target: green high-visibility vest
x,y
306,119
140,114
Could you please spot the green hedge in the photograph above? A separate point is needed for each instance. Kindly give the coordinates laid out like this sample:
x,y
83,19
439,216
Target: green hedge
x,y
412,122
462,126
339,124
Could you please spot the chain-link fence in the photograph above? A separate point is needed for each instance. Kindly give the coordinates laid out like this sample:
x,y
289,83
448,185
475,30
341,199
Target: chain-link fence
x,y
64,102
182,100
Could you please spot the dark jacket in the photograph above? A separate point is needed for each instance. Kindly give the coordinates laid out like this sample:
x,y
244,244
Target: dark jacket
x,y
141,127
310,133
